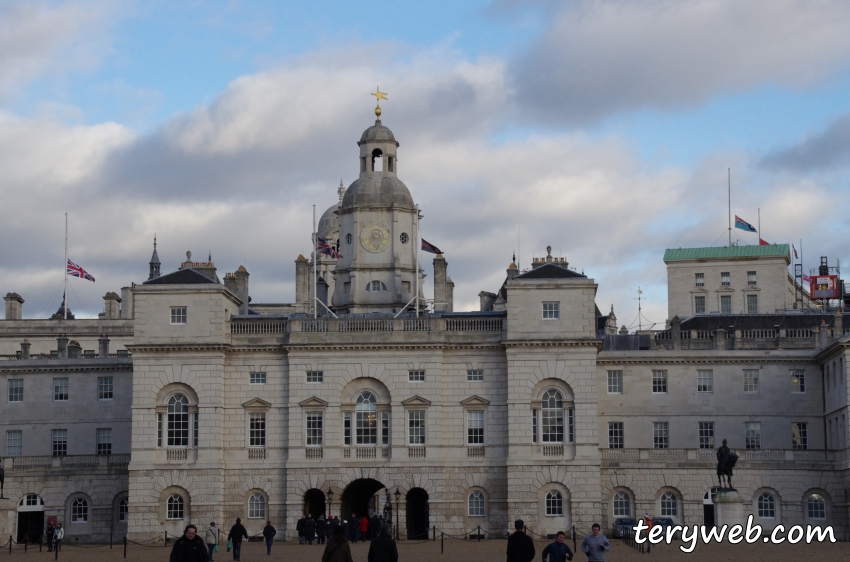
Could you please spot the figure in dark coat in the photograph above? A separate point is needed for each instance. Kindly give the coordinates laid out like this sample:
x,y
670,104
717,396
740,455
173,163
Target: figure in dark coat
x,y
353,528
268,533
374,526
383,547
337,549
189,548
300,528
49,536
321,529
309,530
520,545
237,532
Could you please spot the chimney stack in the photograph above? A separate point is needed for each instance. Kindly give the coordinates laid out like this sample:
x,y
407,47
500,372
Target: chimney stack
x,y
25,349
14,306
103,346
440,296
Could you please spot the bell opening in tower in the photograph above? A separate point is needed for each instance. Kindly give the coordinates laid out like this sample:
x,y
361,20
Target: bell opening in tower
x,y
377,160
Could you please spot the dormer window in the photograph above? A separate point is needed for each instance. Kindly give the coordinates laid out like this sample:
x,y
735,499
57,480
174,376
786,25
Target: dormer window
x,y
376,286
377,160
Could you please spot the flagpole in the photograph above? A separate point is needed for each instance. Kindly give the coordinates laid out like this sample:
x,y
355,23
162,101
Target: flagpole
x,y
418,249
315,259
65,269
729,171
759,233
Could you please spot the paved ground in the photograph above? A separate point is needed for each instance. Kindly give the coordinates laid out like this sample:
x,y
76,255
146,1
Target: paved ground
x,y
455,551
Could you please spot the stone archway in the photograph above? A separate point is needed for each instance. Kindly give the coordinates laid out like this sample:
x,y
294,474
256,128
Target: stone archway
x,y
417,514
314,503
364,497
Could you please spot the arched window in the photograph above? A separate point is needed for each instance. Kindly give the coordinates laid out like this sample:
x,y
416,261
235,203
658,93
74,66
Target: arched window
x,y
377,160
124,509
79,511
816,507
376,286
552,417
669,505
554,504
622,505
766,506
257,506
476,504
174,507
31,500
178,421
366,419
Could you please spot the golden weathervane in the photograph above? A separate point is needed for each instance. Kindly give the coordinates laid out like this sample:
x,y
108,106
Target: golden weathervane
x,y
379,95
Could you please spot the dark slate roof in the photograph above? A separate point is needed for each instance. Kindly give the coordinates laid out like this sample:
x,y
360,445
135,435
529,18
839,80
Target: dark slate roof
x,y
186,276
550,271
758,321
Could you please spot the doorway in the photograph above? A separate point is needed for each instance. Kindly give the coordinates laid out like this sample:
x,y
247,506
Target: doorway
x,y
30,518
314,503
362,497
417,514
708,507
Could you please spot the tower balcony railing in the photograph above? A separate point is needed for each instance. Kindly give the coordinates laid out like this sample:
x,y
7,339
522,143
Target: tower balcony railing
x,y
69,461
259,326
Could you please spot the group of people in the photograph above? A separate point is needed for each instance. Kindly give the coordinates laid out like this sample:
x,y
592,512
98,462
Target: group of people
x,y
54,536
192,548
381,549
521,546
355,528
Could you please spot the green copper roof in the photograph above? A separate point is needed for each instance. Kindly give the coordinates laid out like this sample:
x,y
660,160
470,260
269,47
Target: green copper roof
x,y
727,252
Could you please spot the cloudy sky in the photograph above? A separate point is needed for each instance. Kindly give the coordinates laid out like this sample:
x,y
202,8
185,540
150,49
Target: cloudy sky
x,y
604,129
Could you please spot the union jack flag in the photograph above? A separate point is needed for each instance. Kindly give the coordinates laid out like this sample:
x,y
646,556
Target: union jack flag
x,y
327,249
75,270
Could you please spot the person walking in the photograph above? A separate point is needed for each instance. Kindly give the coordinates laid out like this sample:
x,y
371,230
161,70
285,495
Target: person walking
x,y
268,533
236,534
595,545
211,539
321,529
354,527
300,528
647,520
58,536
364,528
520,545
337,549
48,536
383,547
558,551
310,529
189,548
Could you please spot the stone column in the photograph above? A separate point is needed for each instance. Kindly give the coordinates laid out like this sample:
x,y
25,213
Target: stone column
x,y
25,349
302,280
14,306
103,346
728,508
440,297
676,332
62,346
720,338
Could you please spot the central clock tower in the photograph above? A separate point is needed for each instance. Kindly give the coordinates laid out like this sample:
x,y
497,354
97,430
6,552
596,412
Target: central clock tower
x,y
378,233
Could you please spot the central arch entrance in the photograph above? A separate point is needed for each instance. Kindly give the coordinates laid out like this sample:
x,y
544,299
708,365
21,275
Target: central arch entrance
x,y
363,497
417,514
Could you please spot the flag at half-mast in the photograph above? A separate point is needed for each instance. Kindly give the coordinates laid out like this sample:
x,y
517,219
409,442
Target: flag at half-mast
x,y
327,249
428,247
744,225
795,251
75,270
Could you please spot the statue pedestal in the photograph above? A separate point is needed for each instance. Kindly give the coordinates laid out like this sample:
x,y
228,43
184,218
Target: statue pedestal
x,y
728,508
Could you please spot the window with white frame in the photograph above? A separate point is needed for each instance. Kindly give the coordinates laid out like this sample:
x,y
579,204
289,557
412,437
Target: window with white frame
x,y
475,427
725,304
105,388
659,382
104,440
816,507
416,427
753,435
669,505
552,417
699,279
751,381
315,376
257,430
705,380
551,310
554,504
59,442
798,381
622,505
615,435
178,316
799,435
14,442
752,304
174,507
257,506
79,511
366,419
766,506
661,435
725,279
699,305
475,374
706,435
315,429
124,509
257,378
375,286
16,390
476,504
615,382
751,278
416,376
60,389
177,426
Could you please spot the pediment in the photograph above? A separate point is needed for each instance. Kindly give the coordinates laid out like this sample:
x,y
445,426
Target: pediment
x,y
699,290
313,402
475,400
257,403
416,401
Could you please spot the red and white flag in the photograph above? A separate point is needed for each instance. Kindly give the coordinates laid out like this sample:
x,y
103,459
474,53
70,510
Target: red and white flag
x,y
75,270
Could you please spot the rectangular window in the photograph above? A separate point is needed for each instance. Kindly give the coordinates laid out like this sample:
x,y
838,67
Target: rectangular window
x,y
751,381
59,442
551,310
751,278
699,279
346,428
475,375
705,381
706,435
257,430
725,279
475,428
416,376
615,435
571,430
195,428
315,423
726,304
159,430
552,424
661,435
104,441
615,382
799,435
798,381
178,314
534,425
753,435
416,427
752,304
16,390
699,305
257,378
385,428
60,389
315,376
14,442
104,388
659,382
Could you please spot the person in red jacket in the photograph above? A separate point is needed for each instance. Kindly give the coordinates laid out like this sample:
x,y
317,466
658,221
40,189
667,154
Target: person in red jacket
x,y
364,526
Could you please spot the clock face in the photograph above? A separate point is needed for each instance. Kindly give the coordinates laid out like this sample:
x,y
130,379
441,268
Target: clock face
x,y
375,237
